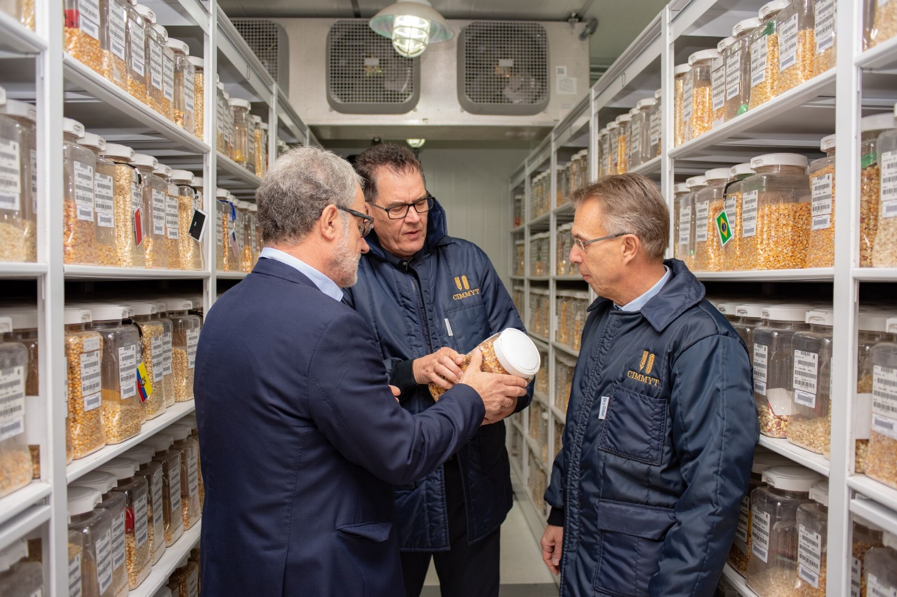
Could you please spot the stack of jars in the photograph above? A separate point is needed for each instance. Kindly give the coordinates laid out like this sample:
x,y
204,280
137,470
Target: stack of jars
x,y
563,380
18,202
15,456
539,249
884,253
539,303
881,457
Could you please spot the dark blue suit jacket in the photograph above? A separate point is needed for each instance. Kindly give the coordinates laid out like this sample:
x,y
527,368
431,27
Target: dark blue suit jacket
x,y
302,441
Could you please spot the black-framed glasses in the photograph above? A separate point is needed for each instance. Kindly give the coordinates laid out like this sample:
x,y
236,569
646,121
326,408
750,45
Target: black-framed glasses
x,y
367,222
582,244
400,211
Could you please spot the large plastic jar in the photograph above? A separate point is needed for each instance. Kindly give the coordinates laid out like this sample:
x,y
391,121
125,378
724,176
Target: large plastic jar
x,y
765,55
228,126
538,255
633,141
687,222
773,566
127,202
84,356
21,10
654,128
539,300
167,332
190,421
154,82
738,69
136,26
740,553
698,115
880,22
622,161
604,156
639,133
115,13
881,568
872,329
797,45
679,190
718,80
780,193
151,474
564,243
183,346
810,425
15,457
79,226
93,526
23,330
517,220
824,36
103,200
185,579
748,317
731,258
681,80
613,144
188,447
865,537
189,250
812,538
170,460
255,233
182,95
167,74
115,504
884,254
198,90
134,487
711,223
871,176
260,139
152,344
252,122
21,575
248,244
239,109
221,111
18,201
881,458
821,252
85,31
222,234
773,366
163,185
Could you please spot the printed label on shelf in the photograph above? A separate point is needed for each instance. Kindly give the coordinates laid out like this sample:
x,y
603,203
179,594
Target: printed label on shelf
x,y
809,555
12,428
733,75
155,64
75,576
168,78
89,17
104,200
718,83
189,95
788,43
103,546
876,588
824,33
127,371
174,488
159,213
888,183
141,523
116,19
118,541
10,176
744,519
687,97
749,214
167,339
84,191
158,518
822,202
684,224
192,342
193,583
192,473
759,55
138,48
760,362
759,534
655,127
856,577
12,398
702,210
886,426
157,345
91,376
171,217
806,371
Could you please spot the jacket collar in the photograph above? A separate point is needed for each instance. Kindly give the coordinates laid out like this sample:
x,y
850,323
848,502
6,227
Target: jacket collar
x,y
681,292
271,267
437,235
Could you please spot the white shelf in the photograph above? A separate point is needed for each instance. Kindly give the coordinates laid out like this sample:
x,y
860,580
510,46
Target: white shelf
x,y
22,270
535,450
881,57
565,209
18,39
96,272
541,222
650,167
84,465
875,274
881,493
576,278
517,425
519,229
875,513
815,462
541,398
737,581
541,339
518,278
540,342
560,415
539,278
569,350
820,274
22,499
19,527
168,563
231,275
233,176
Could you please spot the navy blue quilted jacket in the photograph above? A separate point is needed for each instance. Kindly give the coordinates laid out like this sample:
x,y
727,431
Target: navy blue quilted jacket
x,y
657,450
447,295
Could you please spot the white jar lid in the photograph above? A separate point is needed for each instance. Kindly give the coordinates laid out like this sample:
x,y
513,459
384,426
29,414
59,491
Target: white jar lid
x,y
680,187
240,103
162,31
225,95
821,317
106,312
222,194
23,318
93,141
159,442
178,432
264,126
76,315
750,310
146,12
796,313
702,55
866,322
219,85
163,592
878,122
612,126
517,353
197,61
142,454
634,112
892,325
99,480
765,460
681,69
696,181
889,539
827,143
819,492
658,94
745,25
144,308
116,150
81,500
162,170
180,46
179,304
741,169
724,43
72,127
791,478
184,176
121,467
727,307
255,119
623,119
645,103
253,208
19,109
602,133
779,159
718,174
197,182
142,159
773,7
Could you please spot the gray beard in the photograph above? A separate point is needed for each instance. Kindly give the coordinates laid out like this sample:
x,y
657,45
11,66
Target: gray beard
x,y
344,264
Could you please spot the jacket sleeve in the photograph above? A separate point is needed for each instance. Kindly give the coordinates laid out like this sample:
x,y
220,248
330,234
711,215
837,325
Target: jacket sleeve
x,y
714,430
355,410
554,495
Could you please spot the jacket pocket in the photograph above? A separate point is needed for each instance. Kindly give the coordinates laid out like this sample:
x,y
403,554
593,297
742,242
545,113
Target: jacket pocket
x,y
469,325
635,426
372,549
631,541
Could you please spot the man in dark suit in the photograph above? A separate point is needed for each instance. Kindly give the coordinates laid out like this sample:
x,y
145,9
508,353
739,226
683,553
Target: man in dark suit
x,y
301,438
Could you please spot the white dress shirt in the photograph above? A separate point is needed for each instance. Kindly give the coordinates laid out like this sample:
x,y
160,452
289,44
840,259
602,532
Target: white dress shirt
x,y
638,303
324,284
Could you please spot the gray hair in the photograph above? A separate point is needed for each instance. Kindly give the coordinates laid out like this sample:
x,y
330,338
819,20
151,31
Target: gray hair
x,y
631,204
298,187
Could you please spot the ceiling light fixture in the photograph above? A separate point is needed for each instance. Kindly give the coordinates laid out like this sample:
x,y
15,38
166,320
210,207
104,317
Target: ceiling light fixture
x,y
416,143
411,25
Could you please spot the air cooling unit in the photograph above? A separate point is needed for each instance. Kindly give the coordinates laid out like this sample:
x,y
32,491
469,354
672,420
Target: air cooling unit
x,y
269,42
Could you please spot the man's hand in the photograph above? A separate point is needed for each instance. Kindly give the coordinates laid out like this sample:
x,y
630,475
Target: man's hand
x,y
552,542
499,392
441,367
395,391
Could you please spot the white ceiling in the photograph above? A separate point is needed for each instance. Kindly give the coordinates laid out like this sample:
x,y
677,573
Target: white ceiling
x,y
619,21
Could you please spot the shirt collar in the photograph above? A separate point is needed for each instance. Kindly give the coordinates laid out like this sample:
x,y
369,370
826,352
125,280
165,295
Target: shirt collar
x,y
324,284
638,303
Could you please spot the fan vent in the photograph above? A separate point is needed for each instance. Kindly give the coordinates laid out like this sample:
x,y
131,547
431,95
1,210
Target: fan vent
x,y
503,68
365,75
269,43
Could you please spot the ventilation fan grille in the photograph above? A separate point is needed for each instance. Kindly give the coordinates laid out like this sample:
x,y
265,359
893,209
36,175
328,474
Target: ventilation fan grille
x,y
505,64
263,37
363,67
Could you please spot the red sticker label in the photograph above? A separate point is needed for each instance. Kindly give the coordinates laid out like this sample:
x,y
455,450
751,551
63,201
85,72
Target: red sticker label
x,y
129,521
138,227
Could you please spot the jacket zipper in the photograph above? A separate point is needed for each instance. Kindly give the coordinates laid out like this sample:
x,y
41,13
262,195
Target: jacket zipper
x,y
422,310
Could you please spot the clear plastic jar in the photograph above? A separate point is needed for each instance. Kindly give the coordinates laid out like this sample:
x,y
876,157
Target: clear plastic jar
x,y
812,539
881,567
167,333
222,111
780,189
613,145
15,457
679,190
21,10
687,221
18,209
698,115
20,574
797,45
564,243
86,30
114,504
865,537
765,55
239,109
748,317
151,474
195,94
123,411
252,122
182,74
261,149
246,244
93,526
190,421
622,161
871,176
188,448
183,346
132,239
517,220
255,233
810,425
638,132
189,250
114,44
773,366
136,41
103,203
152,353
740,553
163,185
711,223
654,127
821,252
154,82
222,228
539,302
682,83
880,22
718,81
135,489
731,257
824,36
884,254
170,460
135,179
738,69
774,539
539,251
79,226
23,331
185,579
84,356
166,108
873,329
604,153
881,457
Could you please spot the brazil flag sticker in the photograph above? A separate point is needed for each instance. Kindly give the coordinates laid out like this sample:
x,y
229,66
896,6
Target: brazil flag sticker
x,y
722,226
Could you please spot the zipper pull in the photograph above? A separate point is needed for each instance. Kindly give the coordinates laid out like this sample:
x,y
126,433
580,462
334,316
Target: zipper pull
x,y
448,327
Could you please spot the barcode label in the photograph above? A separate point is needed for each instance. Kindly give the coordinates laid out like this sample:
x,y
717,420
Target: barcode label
x,y
168,78
118,541
733,75
701,212
138,49
822,201
192,342
761,352
10,175
788,43
856,576
89,18
806,372
759,534
155,63
171,217
744,519
718,84
174,487
685,224
749,214
884,425
117,30
141,525
12,397
809,555
158,213
876,588
189,94
91,376
687,97
103,547
167,340
655,127
884,391
84,191
825,25
888,164
158,519
103,200
192,473
157,346
758,64
11,428
127,371
635,136
75,576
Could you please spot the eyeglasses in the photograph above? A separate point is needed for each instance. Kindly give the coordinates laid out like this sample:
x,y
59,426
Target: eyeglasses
x,y
367,222
400,211
582,244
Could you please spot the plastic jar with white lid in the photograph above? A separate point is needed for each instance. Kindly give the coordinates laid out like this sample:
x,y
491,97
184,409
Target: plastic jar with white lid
x,y
682,82
731,257
795,25
738,69
185,579
127,202
718,80
654,129
679,190
773,565
136,41
260,141
114,44
698,114
151,472
778,196
167,105
239,109
20,574
170,460
773,366
161,316
189,250
184,341
190,421
881,457
256,234
18,210
103,201
246,244
727,309
884,253
15,457
228,125
880,567
154,81
871,177
740,554
824,36
79,225
866,536
563,242
710,228
748,316
222,231
622,161
872,330
765,55
183,96
810,425
613,146
94,527
23,330
123,411
603,153
86,31
686,240
138,551
115,504
812,536
197,88
188,447
84,357
152,343
150,197
821,252
638,132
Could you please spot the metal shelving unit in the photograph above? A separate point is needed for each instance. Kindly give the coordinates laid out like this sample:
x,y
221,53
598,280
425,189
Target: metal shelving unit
x,y
862,82
36,69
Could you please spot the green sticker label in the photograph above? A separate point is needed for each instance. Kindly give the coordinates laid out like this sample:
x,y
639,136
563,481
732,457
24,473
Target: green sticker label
x,y
722,226
870,159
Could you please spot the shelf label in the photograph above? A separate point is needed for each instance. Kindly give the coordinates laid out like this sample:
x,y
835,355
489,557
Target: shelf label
x,y
788,43
155,63
718,83
116,19
760,363
171,217
809,555
655,127
876,588
758,61
192,342
824,33
104,199
806,373
159,213
84,191
684,224
822,202
167,339
89,17
75,576
687,98
749,214
889,184
127,371
138,48
702,210
10,175
157,346
759,534
733,75
744,520
91,379
104,561
141,523
168,78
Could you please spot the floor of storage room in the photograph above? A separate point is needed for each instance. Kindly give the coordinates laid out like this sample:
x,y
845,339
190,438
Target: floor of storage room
x,y
523,574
